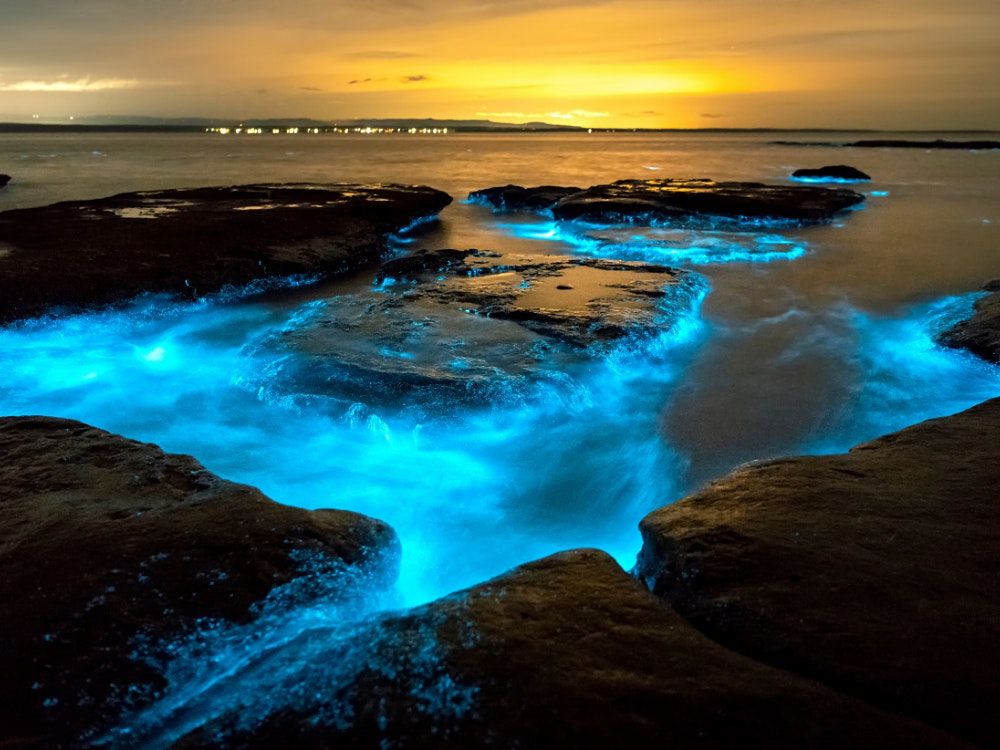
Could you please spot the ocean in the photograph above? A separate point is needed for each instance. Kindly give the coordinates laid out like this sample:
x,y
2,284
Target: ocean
x,y
808,340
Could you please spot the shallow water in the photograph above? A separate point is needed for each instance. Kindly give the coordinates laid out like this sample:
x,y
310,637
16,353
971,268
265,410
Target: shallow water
x,y
810,339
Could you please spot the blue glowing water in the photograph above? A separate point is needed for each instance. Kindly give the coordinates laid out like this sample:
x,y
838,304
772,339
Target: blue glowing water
x,y
811,340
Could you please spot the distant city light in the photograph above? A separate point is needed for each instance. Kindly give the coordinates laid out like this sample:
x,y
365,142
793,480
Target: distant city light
x,y
367,130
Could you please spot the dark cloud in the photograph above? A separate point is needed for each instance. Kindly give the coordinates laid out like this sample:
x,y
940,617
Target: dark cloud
x,y
380,54
359,80
413,79
309,88
712,115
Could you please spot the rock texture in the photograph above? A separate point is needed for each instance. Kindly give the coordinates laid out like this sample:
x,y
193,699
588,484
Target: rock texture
x,y
194,242
835,173
937,144
645,201
469,324
568,651
518,198
980,334
671,201
874,572
106,542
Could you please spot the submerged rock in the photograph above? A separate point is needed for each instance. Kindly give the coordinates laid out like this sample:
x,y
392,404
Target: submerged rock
x,y
517,198
837,173
108,544
568,651
469,324
980,334
4,179
194,242
874,572
656,201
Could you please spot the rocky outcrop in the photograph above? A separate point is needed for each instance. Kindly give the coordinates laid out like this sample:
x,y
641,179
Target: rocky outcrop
x,y
665,201
108,543
194,242
568,651
4,179
676,201
518,198
836,173
875,572
937,144
980,334
469,325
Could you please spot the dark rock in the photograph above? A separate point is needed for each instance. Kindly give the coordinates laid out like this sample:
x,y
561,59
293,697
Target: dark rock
x,y
875,572
108,542
838,173
568,651
4,179
469,324
195,242
517,198
666,201
980,334
937,144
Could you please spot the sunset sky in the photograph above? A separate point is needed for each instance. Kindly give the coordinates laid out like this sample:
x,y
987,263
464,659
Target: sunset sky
x,y
622,63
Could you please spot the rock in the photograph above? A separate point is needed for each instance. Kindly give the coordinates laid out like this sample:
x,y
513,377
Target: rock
x,y
937,144
107,543
469,325
517,198
665,201
875,572
838,173
4,179
194,242
980,334
568,651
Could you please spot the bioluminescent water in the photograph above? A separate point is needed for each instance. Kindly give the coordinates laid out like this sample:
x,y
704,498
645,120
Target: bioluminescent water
x,y
803,339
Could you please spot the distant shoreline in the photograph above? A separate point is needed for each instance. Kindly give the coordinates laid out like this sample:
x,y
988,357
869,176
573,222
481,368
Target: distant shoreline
x,y
16,127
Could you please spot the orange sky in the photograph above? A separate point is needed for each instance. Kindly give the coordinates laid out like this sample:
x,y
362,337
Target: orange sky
x,y
622,63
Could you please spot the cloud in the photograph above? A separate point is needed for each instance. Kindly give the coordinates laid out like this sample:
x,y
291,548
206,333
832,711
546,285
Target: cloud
x,y
359,80
413,79
712,115
380,54
65,85
261,91
574,114
309,88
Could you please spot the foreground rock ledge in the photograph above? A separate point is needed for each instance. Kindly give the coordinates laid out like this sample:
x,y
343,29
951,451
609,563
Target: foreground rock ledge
x,y
194,242
105,539
875,572
980,334
568,651
667,201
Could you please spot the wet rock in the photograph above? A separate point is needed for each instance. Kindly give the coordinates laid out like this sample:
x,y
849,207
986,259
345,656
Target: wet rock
x,y
837,173
936,144
874,572
194,242
517,198
4,179
108,544
666,201
568,651
980,334
469,324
